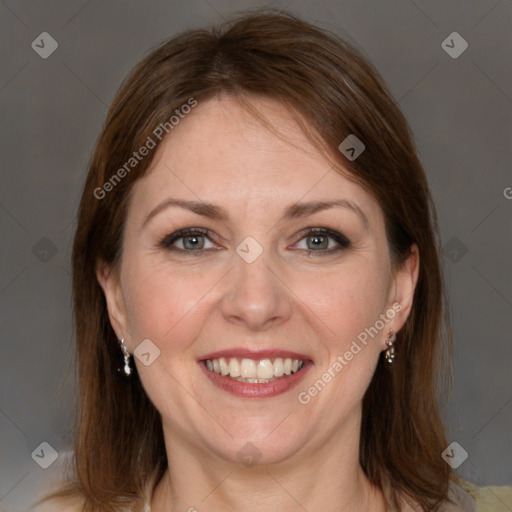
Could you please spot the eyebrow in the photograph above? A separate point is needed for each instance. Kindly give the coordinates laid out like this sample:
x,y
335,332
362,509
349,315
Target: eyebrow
x,y
294,211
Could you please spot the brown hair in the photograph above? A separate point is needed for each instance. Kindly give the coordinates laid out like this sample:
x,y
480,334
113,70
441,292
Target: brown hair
x,y
332,88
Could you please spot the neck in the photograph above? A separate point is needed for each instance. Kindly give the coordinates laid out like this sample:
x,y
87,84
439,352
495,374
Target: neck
x,y
328,477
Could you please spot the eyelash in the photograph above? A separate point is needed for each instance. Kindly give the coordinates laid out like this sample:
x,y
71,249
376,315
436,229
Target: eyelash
x,y
342,241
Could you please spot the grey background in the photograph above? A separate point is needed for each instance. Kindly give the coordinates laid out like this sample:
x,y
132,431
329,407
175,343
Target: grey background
x,y
52,111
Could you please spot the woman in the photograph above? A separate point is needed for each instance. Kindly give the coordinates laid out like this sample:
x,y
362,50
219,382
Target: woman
x,y
257,249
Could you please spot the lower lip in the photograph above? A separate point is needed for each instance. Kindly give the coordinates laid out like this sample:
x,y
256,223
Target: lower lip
x,y
254,390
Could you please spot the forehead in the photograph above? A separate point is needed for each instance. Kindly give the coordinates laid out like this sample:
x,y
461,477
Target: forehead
x,y
223,153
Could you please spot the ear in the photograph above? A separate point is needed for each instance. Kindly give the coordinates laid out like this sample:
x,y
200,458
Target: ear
x,y
403,286
108,278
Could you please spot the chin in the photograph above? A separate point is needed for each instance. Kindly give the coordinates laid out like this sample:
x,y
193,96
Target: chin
x,y
258,443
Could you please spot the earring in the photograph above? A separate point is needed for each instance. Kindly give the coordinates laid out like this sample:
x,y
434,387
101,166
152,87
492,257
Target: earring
x,y
390,353
126,355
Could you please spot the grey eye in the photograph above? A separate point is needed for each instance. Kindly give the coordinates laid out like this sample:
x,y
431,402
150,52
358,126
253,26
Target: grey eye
x,y
193,242
188,240
317,242
323,241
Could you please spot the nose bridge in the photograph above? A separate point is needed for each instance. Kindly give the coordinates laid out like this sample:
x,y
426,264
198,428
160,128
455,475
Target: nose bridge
x,y
256,296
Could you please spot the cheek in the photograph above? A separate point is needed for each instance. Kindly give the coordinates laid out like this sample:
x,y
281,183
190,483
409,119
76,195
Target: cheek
x,y
343,306
346,301
161,303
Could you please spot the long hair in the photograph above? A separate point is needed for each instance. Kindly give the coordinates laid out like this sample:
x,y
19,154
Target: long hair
x,y
334,92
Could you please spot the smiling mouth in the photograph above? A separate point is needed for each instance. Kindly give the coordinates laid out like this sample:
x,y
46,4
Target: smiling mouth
x,y
252,371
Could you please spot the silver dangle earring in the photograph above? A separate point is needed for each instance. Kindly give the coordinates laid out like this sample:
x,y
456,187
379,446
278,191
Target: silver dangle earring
x,y
390,353
126,355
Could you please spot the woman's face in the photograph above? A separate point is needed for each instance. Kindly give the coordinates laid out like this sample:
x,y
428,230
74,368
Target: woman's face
x,y
249,282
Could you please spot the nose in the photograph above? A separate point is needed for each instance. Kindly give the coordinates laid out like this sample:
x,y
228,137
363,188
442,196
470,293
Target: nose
x,y
256,296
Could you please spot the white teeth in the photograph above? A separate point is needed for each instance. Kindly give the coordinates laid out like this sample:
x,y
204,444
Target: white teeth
x,y
247,369
234,367
224,368
254,381
253,371
278,367
265,369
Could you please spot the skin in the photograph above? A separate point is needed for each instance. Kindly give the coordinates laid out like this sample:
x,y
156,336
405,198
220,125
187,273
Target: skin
x,y
191,305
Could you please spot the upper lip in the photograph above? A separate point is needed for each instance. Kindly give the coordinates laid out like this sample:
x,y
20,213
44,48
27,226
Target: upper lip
x,y
245,353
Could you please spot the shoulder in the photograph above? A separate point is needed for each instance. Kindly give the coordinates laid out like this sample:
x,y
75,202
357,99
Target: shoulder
x,y
463,500
58,506
490,498
60,475
61,478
